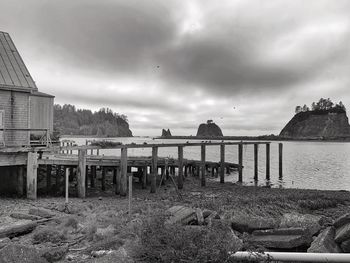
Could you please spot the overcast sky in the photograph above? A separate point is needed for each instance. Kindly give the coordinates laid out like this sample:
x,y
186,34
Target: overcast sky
x,y
174,64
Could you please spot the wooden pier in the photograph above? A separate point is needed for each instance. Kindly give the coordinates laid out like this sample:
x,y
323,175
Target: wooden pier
x,y
82,166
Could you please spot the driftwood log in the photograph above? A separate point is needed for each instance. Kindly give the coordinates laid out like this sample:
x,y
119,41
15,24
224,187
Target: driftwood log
x,y
17,228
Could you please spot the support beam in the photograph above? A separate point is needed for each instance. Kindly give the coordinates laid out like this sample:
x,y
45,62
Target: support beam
x,y
123,171
81,173
222,163
203,165
180,179
32,174
280,159
240,162
267,161
154,169
256,162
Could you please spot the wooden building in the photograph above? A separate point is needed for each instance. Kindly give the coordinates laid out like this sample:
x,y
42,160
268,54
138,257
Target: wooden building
x,y
23,109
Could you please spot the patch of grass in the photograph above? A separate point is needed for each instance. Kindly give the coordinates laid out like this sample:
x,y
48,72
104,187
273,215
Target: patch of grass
x,y
71,222
160,242
48,235
318,204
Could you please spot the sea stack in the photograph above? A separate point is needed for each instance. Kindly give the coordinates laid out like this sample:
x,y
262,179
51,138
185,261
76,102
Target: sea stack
x,y
209,129
166,133
331,123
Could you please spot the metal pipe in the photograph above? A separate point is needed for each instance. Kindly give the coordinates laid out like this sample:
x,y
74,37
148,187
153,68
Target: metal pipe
x,y
290,256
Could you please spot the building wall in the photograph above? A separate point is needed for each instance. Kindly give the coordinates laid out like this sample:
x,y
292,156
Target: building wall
x,y
41,113
16,105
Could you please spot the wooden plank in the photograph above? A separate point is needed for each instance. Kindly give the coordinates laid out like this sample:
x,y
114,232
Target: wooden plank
x,y
32,170
267,161
222,163
203,165
123,171
280,159
240,162
256,162
180,178
81,173
154,169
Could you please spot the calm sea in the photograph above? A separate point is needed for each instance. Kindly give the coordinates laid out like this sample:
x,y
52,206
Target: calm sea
x,y
308,165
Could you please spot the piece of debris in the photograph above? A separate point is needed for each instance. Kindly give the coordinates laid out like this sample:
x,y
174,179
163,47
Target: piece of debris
x,y
181,214
17,228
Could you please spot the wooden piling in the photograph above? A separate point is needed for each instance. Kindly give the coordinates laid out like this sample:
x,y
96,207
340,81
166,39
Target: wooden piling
x,y
203,165
267,161
240,162
144,177
92,176
154,169
222,163
255,162
81,173
67,185
32,172
280,159
130,194
20,180
123,171
180,178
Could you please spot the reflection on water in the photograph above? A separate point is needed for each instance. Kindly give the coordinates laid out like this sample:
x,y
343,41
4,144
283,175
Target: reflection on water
x,y
311,165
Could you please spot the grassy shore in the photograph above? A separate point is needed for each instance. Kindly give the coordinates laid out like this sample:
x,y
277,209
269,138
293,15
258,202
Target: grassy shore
x,y
142,236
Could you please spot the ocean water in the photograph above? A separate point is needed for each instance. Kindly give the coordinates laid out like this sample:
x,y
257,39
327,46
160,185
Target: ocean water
x,y
306,165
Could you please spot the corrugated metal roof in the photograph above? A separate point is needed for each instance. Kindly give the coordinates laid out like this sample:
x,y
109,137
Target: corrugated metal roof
x,y
13,71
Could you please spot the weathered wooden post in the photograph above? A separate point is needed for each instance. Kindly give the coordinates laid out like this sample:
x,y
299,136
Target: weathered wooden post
x,y
222,163
118,181
154,169
144,177
203,165
280,159
67,185
180,179
32,174
92,176
48,178
20,180
256,161
130,194
267,161
81,173
123,171
240,162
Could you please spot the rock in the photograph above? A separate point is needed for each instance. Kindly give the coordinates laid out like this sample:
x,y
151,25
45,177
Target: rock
x,y
20,254
209,129
101,253
340,221
17,228
4,241
41,212
311,222
311,124
54,254
207,213
181,214
249,224
238,243
199,215
166,133
345,246
25,216
342,233
324,242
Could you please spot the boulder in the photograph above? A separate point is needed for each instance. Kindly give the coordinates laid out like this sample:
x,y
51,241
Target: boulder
x,y
54,254
20,254
342,233
41,212
324,242
249,224
340,221
181,214
17,228
311,222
